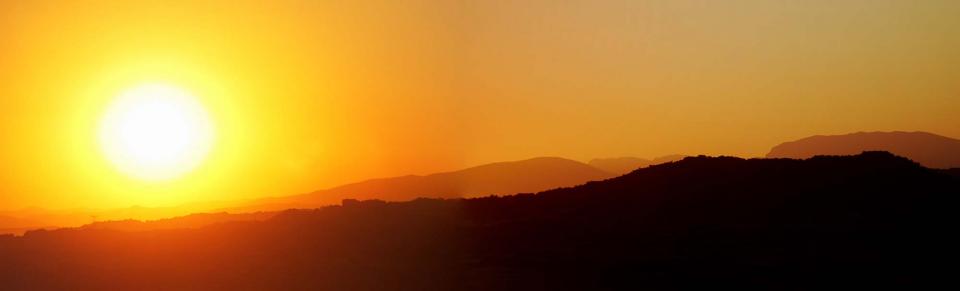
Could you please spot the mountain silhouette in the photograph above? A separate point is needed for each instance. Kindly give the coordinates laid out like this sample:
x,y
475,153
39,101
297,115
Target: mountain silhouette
x,y
928,149
529,175
10,224
954,172
195,220
623,165
852,222
19,221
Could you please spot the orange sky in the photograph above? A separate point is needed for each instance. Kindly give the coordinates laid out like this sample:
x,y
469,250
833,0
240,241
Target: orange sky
x,y
306,95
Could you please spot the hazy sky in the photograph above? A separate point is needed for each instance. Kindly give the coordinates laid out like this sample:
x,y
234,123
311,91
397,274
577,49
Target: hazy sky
x,y
311,94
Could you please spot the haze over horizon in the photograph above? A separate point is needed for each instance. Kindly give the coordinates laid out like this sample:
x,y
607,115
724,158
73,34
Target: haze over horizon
x,y
306,95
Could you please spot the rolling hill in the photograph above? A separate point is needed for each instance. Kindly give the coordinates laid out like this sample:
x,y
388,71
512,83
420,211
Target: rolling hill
x,y
928,149
623,165
195,220
865,221
530,175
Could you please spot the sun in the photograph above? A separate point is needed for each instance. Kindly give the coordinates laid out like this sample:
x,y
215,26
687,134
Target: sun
x,y
156,132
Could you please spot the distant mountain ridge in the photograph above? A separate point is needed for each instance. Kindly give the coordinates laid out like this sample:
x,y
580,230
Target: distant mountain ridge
x,y
524,176
623,165
928,149
195,220
531,175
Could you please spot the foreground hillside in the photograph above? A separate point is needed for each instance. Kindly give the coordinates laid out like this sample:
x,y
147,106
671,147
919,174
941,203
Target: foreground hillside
x,y
826,222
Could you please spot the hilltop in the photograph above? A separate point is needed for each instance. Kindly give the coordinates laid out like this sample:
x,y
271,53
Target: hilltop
x,y
531,175
873,219
928,149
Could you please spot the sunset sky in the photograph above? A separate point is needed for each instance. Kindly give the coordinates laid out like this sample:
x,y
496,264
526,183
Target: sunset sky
x,y
304,95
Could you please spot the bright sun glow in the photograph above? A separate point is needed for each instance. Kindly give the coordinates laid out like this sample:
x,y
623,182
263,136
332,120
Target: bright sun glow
x,y
156,132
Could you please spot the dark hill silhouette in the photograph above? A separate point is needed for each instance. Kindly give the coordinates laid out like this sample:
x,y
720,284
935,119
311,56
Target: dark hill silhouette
x,y
851,222
10,224
19,221
188,221
928,149
953,172
532,175
623,165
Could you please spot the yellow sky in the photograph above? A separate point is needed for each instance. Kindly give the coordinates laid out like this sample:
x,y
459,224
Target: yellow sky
x,y
308,94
